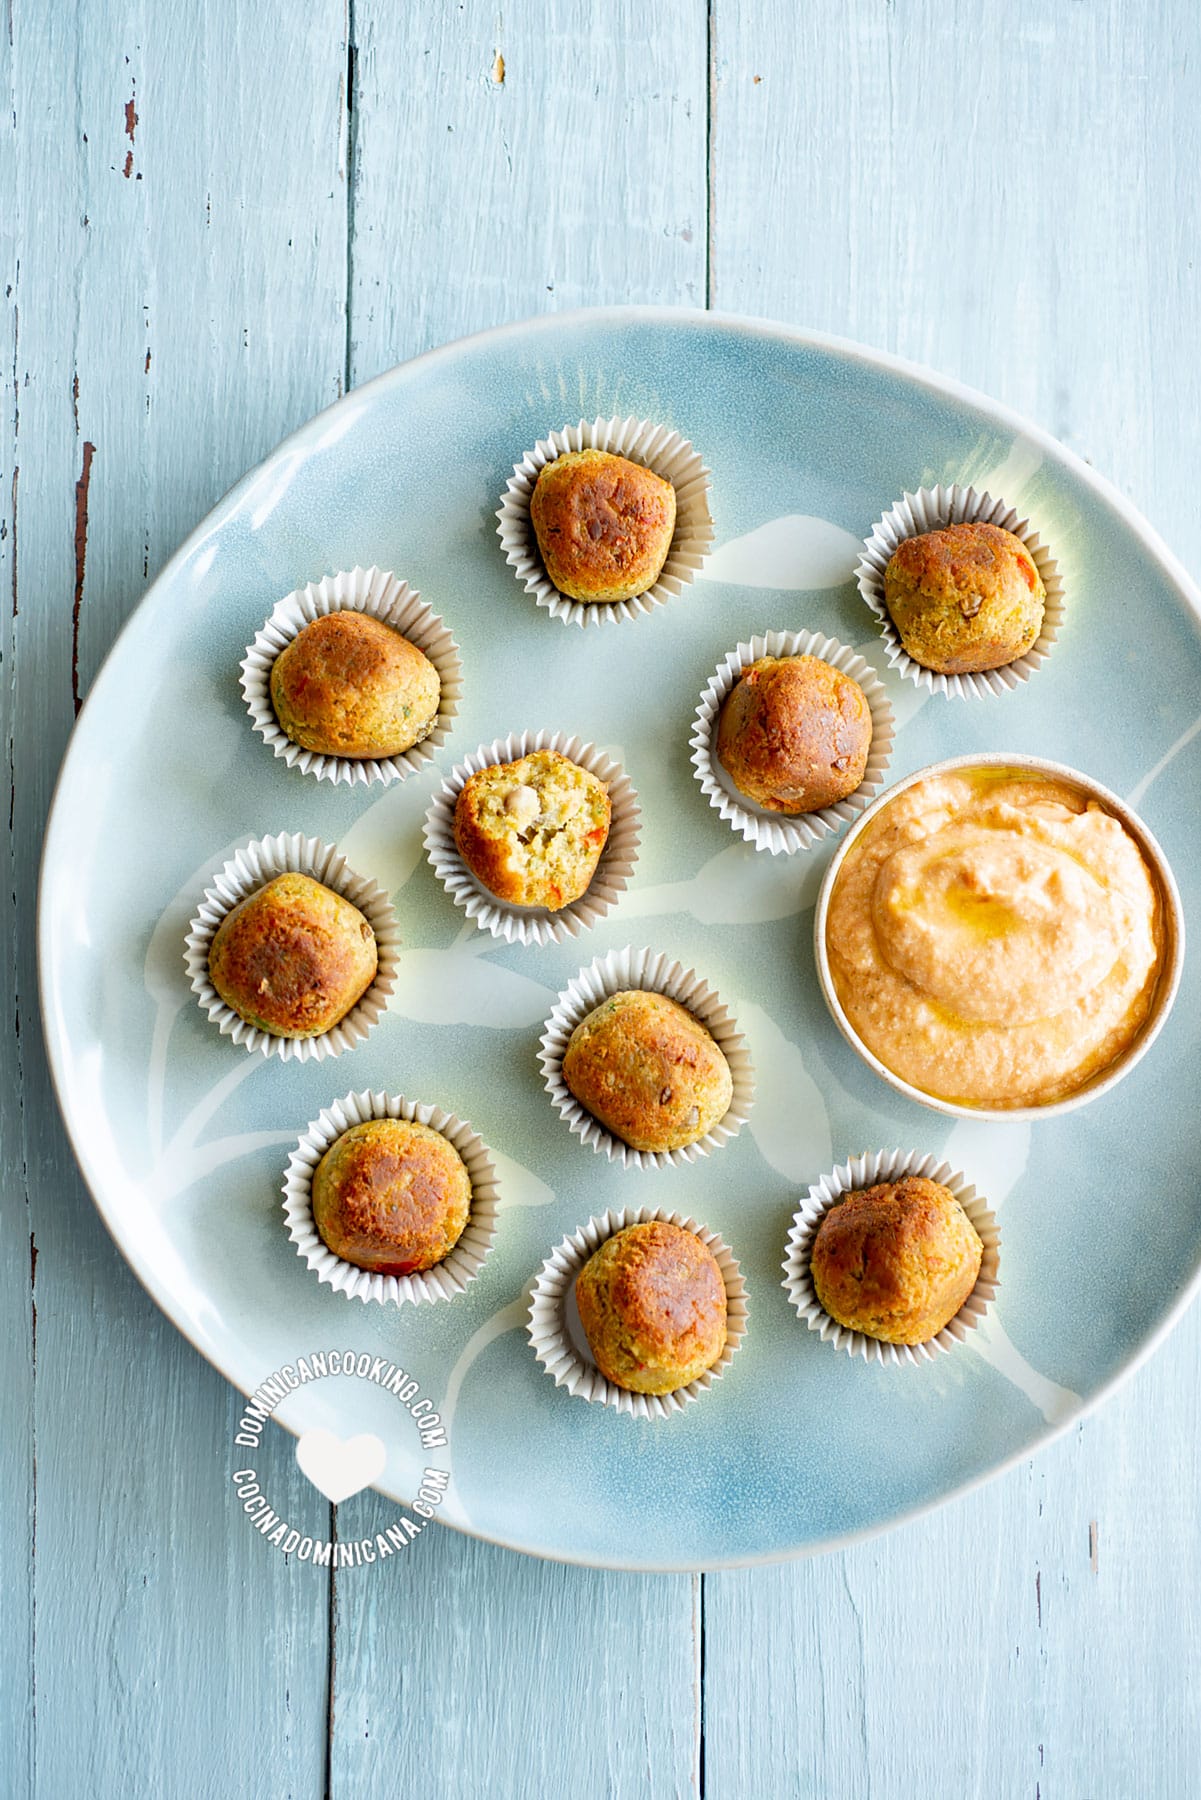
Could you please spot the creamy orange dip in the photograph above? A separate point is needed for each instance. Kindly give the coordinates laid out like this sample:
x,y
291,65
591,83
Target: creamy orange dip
x,y
995,937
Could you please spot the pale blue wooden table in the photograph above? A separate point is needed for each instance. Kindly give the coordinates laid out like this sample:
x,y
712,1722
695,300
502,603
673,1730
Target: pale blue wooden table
x,y
216,217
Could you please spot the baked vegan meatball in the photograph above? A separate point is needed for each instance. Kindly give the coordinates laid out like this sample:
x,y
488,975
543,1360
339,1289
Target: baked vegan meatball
x,y
532,831
896,1261
293,958
391,1196
648,1070
349,685
794,734
653,1306
964,598
604,525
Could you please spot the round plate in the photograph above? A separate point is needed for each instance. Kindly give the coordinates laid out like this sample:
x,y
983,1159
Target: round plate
x,y
183,1139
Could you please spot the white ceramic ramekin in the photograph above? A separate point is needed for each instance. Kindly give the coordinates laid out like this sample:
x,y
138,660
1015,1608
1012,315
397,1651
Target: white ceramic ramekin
x,y
1173,956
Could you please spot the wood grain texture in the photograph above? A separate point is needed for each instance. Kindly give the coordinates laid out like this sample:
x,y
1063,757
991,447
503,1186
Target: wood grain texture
x,y
978,1651
573,175
1015,205
18,1469
471,1671
188,274
178,287
579,179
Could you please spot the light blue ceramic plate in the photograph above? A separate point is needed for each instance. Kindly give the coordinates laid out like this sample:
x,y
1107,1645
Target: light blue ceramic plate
x,y
183,1137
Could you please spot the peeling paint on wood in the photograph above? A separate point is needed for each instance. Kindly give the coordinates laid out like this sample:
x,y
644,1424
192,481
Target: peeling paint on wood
x,y
81,552
12,535
763,156
131,125
583,1682
140,1567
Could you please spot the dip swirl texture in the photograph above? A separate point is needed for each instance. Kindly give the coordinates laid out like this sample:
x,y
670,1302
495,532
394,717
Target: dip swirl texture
x,y
995,938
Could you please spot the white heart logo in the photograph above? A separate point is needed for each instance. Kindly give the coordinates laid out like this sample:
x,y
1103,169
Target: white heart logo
x,y
340,1467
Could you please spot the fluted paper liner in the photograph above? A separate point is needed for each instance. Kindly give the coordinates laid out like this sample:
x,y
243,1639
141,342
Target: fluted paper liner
x,y
379,594
780,833
866,1171
461,1265
558,1337
252,868
536,924
641,441
928,510
613,974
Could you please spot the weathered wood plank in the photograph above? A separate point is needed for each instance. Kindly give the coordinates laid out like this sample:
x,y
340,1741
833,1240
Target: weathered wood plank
x,y
506,164
1010,205
1007,205
180,296
462,1671
578,179
979,1650
17,1467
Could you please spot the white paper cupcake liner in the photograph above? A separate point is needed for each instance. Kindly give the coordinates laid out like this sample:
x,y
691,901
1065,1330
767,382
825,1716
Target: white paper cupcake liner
x,y
775,832
252,868
655,447
866,1171
613,974
382,596
454,1274
536,924
558,1337
928,510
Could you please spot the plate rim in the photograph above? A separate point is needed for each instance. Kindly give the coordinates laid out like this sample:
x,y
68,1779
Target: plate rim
x,y
752,327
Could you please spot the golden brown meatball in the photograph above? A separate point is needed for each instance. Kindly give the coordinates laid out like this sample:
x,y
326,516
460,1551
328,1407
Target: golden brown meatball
x,y
896,1261
604,525
349,685
293,958
391,1196
794,734
964,598
653,1306
648,1070
532,831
